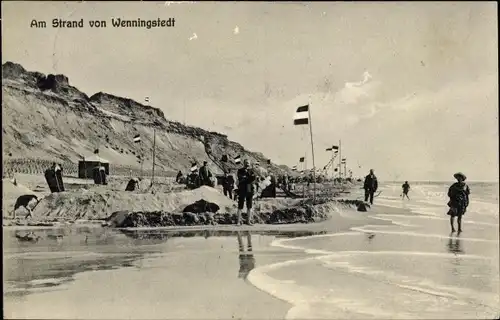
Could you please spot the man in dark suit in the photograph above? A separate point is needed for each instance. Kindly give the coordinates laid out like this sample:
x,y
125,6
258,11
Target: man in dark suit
x,y
246,189
370,186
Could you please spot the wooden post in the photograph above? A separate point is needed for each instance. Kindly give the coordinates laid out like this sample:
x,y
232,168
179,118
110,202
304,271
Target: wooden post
x,y
340,161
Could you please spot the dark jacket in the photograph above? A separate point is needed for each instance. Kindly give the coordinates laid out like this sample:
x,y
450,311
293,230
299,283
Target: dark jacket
x,y
205,175
246,179
459,196
371,183
229,182
406,187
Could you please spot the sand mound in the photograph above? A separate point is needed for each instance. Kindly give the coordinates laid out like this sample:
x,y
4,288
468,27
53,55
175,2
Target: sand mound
x,y
92,204
301,213
272,204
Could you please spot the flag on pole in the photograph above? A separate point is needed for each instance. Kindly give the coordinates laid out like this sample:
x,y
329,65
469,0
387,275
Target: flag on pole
x,y
302,159
237,159
301,116
194,167
137,138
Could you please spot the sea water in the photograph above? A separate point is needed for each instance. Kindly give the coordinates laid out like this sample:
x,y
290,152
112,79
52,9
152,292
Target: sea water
x,y
414,268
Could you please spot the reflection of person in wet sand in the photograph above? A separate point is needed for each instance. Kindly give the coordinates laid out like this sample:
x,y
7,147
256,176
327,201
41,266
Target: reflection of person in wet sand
x,y
247,260
454,245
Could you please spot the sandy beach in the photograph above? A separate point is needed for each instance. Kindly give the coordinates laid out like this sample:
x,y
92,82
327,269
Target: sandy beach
x,y
190,272
390,262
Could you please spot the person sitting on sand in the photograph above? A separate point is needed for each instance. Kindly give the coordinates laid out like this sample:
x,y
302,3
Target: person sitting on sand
x,y
178,178
370,186
406,188
459,200
246,189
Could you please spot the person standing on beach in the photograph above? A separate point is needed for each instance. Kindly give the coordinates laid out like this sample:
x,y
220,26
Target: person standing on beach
x,y
246,180
205,175
406,188
370,186
228,185
459,200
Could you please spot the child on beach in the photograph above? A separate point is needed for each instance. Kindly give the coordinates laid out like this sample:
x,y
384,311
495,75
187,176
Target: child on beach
x,y
406,188
459,200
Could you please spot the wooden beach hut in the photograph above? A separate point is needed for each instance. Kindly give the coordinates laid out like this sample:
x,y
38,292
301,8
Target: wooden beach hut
x,y
86,166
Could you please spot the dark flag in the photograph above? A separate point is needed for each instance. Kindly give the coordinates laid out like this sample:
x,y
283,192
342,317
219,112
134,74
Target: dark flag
x,y
301,116
302,159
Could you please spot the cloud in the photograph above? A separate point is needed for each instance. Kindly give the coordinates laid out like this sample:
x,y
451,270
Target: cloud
x,y
355,92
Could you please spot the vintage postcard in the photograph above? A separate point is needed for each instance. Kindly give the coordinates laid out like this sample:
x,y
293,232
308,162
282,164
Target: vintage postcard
x,y
250,160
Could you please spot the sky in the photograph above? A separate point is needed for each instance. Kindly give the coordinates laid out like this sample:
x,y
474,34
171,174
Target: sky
x,y
410,89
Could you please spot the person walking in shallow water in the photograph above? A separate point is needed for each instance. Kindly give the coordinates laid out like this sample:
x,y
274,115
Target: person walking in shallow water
x,y
459,200
406,188
370,186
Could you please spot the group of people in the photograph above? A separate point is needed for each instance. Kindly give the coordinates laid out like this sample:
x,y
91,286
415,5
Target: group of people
x,y
458,193
242,189
197,178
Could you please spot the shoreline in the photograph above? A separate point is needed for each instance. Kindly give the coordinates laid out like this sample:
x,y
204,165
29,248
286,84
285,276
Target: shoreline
x,y
212,257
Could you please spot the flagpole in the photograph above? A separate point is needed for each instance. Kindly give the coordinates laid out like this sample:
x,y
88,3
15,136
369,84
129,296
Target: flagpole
x,y
312,149
340,161
333,168
154,149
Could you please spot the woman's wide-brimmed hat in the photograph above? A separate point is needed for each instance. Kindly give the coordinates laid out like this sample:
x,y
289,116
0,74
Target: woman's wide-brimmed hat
x,y
460,174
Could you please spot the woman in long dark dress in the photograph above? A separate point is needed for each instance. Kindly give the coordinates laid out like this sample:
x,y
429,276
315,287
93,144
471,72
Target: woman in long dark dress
x,y
459,200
